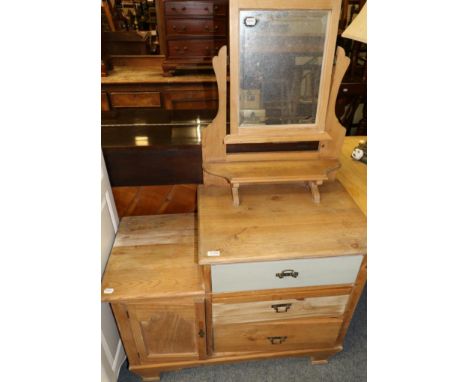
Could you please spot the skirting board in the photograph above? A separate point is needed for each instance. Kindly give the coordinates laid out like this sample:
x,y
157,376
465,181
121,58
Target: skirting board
x,y
115,362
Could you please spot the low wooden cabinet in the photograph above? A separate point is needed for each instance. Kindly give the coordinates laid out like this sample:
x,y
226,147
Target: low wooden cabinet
x,y
175,309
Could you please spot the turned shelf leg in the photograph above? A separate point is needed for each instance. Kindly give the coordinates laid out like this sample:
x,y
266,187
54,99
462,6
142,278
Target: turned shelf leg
x,y
315,191
235,194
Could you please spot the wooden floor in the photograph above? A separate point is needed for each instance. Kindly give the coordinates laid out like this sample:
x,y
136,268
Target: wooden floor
x,y
154,200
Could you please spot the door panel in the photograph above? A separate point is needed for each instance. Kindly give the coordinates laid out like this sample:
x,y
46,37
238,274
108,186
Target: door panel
x,y
168,332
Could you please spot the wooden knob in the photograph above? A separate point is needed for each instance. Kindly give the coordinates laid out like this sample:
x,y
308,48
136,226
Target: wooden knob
x,y
216,7
185,48
216,27
207,27
183,8
206,9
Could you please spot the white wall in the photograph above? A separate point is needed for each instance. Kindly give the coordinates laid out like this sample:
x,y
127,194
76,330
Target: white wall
x,y
112,352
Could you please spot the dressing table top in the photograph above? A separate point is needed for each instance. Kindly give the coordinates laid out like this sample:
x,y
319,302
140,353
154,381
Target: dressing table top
x,y
275,222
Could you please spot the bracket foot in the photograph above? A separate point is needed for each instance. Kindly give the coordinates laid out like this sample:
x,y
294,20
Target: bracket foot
x,y
319,359
155,378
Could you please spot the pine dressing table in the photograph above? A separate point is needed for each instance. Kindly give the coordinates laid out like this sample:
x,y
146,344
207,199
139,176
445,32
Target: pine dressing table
x,y
274,262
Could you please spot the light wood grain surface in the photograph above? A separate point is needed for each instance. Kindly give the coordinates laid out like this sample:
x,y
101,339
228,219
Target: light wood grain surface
x,y
272,171
213,147
153,256
277,335
353,174
278,222
326,306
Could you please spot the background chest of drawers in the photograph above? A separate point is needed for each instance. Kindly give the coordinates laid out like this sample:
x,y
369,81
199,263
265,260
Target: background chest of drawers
x,y
192,32
274,287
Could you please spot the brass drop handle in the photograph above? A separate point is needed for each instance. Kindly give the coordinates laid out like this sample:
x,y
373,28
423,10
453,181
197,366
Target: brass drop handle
x,y
287,273
278,307
277,340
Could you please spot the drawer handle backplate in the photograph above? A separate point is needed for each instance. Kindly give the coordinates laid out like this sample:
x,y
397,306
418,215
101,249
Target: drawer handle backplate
x,y
277,340
287,273
281,308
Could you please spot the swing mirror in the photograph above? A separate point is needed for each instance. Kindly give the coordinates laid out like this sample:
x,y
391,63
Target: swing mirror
x,y
281,58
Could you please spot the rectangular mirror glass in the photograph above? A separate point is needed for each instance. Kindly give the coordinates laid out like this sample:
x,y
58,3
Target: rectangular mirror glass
x,y
280,66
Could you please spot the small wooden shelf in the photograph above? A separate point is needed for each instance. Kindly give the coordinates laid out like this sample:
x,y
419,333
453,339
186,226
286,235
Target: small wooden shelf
x,y
313,172
273,171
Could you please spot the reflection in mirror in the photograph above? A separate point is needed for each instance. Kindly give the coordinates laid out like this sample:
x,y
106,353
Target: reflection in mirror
x,y
280,61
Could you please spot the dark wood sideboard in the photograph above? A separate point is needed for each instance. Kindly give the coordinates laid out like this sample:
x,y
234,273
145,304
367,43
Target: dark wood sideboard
x,y
137,83
191,32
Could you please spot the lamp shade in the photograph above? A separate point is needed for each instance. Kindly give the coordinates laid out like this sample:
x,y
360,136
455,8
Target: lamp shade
x,y
357,30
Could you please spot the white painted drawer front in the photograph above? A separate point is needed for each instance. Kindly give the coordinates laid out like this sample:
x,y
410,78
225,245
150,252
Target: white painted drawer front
x,y
262,275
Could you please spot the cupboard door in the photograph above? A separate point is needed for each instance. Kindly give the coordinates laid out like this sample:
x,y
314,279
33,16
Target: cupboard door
x,y
168,331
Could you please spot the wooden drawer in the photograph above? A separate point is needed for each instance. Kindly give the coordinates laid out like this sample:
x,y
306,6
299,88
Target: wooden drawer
x,y
136,99
270,310
276,335
194,8
285,273
191,100
194,48
196,27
